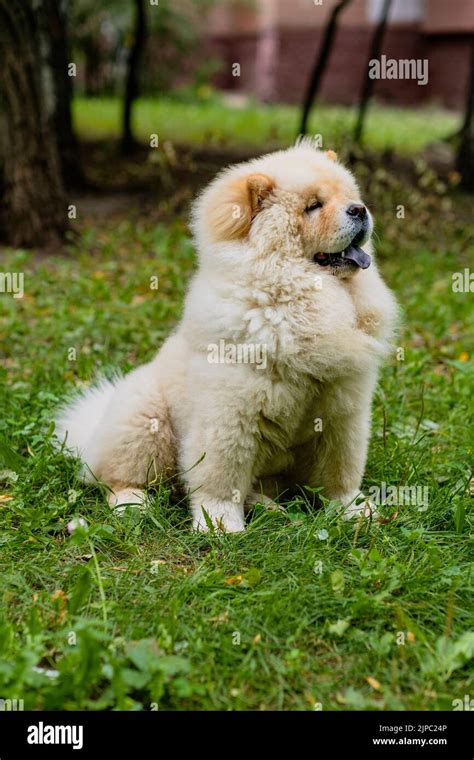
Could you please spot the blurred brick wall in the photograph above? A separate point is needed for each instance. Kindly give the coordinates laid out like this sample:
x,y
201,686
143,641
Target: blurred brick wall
x,y
276,48
448,59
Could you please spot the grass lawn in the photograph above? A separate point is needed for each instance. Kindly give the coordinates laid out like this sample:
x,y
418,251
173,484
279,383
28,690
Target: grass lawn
x,y
301,611
214,122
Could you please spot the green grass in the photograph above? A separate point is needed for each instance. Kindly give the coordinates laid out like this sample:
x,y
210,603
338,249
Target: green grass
x,y
257,125
303,608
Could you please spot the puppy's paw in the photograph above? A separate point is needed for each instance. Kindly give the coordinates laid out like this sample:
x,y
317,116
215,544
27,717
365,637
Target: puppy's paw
x,y
255,497
356,504
226,516
127,497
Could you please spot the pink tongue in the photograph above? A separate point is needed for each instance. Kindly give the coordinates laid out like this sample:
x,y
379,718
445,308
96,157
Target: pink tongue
x,y
357,256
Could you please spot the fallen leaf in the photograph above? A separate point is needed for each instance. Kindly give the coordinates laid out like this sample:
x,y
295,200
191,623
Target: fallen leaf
x,y
248,579
233,580
155,564
337,581
386,520
339,627
373,682
59,594
251,577
60,599
223,618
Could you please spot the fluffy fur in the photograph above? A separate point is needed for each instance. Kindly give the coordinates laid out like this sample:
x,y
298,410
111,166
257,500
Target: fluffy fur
x,y
239,430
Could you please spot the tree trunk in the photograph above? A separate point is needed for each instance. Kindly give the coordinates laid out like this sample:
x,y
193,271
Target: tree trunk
x,y
368,85
131,85
320,64
35,211
54,25
465,157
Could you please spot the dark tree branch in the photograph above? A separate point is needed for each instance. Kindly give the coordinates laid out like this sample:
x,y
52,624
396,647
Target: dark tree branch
x,y
320,64
131,85
368,85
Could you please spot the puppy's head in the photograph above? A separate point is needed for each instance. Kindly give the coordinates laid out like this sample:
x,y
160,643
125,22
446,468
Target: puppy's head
x,y
298,203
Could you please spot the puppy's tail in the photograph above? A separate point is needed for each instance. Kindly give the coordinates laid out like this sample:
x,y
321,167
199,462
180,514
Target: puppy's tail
x,y
77,420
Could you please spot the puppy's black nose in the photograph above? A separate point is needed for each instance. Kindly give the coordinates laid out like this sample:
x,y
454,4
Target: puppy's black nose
x,y
357,209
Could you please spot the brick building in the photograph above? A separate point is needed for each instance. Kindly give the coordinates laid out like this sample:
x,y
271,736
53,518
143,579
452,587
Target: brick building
x,y
276,41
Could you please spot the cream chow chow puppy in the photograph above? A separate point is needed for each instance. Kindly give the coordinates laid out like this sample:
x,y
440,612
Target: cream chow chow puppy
x,y
266,383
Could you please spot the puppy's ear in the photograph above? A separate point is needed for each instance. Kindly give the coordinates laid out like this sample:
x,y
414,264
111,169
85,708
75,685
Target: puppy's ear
x,y
332,155
236,204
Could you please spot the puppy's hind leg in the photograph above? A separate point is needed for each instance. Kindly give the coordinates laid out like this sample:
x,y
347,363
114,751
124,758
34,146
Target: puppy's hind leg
x,y
132,444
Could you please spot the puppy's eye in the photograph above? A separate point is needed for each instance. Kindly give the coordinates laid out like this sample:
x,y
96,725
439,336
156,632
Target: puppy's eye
x,y
314,206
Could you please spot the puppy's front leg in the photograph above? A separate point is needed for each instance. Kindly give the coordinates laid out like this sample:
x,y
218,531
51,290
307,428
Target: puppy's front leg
x,y
218,484
339,452
217,458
